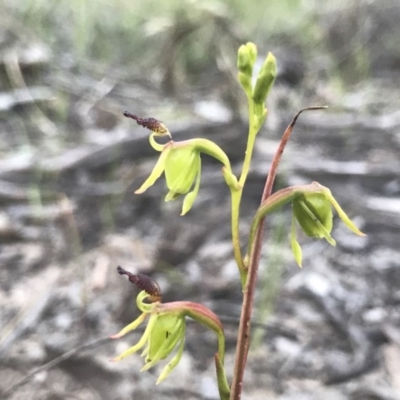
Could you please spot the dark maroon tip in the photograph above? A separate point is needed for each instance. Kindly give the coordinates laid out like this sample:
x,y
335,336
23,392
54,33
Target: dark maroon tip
x,y
121,271
148,123
143,282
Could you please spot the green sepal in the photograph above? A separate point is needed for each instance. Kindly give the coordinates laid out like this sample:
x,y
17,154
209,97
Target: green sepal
x,y
342,215
212,149
296,248
156,173
133,325
174,361
141,342
166,333
191,196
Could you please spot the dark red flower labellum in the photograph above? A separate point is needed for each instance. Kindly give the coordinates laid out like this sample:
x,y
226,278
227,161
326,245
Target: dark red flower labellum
x,y
143,282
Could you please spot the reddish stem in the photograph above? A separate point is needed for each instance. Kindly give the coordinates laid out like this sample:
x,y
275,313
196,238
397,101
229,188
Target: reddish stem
x,y
243,343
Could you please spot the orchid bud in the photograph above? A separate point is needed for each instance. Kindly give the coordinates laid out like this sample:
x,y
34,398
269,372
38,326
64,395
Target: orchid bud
x,y
247,55
265,80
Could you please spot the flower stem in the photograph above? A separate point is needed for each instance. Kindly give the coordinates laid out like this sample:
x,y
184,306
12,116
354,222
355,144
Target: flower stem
x,y
236,196
243,341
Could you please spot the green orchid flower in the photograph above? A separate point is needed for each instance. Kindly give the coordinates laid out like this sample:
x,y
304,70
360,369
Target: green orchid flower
x,y
181,163
166,328
165,331
312,209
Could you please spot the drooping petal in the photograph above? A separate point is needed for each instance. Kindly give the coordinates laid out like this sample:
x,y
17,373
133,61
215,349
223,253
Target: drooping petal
x,y
168,345
141,342
164,329
131,326
296,249
174,362
156,173
191,196
342,215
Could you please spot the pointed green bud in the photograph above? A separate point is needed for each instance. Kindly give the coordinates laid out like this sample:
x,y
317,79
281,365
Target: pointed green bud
x,y
265,80
247,55
252,50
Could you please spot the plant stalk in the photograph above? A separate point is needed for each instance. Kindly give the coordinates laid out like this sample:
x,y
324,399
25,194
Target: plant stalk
x,y
243,342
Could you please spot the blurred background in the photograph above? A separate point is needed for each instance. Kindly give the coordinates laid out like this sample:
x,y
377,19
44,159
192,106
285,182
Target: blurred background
x,y
69,163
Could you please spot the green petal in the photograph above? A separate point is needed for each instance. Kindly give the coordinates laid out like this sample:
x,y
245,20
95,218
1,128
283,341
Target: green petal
x,y
168,345
174,362
167,324
296,249
321,228
190,197
155,174
141,342
342,215
131,326
181,168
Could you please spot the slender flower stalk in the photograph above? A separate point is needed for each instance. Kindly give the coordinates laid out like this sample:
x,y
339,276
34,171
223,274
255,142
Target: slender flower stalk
x,y
253,260
256,97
